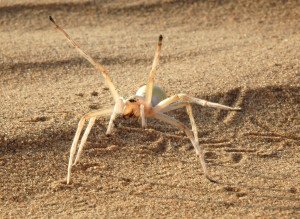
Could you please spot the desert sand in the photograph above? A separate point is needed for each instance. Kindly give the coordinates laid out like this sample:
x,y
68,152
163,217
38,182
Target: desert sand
x,y
238,53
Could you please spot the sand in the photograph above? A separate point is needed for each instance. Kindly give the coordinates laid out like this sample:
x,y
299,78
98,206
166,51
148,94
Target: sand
x,y
238,53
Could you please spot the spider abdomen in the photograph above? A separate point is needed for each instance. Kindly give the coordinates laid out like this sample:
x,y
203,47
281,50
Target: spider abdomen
x,y
158,94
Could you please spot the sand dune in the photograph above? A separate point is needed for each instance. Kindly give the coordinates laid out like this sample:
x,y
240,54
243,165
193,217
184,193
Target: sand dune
x,y
233,52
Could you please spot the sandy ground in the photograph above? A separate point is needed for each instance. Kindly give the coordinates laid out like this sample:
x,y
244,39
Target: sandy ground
x,y
233,52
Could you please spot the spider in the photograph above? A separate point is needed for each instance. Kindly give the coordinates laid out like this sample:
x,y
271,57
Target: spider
x,y
150,101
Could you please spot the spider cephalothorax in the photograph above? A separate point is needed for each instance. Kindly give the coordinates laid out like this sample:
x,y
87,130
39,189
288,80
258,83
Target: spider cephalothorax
x,y
150,101
132,107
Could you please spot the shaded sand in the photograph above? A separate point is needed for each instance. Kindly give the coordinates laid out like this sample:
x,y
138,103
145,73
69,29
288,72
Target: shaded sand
x,y
240,54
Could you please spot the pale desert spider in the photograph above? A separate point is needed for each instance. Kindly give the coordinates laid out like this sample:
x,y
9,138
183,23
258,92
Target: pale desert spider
x,y
150,101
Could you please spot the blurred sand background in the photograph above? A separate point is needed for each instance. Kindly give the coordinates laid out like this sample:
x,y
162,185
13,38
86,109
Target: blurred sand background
x,y
239,53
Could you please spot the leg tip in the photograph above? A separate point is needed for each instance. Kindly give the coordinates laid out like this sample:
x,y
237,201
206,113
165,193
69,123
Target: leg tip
x,y
160,38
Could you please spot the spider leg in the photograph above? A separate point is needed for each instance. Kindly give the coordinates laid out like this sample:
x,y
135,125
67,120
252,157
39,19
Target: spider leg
x,y
190,135
84,138
97,66
152,73
117,109
174,106
195,131
185,98
189,112
92,116
142,114
111,123
193,123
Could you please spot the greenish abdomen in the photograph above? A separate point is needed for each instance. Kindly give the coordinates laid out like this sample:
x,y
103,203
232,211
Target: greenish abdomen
x,y
157,94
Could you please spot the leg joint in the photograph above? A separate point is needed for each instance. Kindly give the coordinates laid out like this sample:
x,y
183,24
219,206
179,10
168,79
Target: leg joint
x,y
183,97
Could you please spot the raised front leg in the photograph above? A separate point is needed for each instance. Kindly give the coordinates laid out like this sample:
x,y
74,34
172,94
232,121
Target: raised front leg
x,y
150,82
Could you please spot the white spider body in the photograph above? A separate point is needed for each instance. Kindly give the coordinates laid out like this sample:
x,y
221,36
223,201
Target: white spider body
x,y
158,94
150,101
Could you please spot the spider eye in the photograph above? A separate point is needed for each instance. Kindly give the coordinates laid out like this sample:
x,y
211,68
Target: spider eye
x,y
132,100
